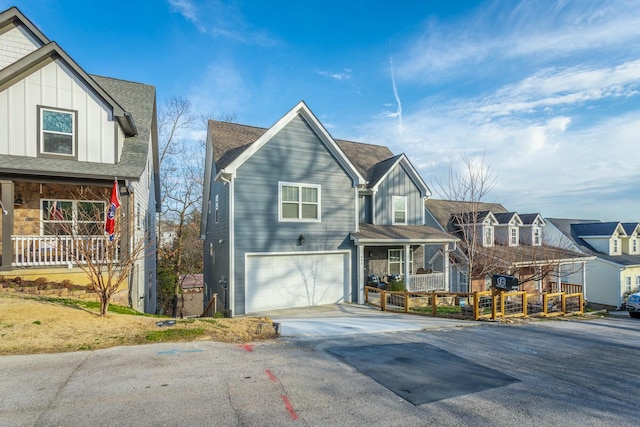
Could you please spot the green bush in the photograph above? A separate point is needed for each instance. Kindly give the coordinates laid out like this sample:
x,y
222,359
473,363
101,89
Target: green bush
x,y
396,286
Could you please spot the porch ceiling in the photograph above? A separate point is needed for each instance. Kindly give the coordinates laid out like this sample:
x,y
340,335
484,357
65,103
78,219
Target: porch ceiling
x,y
394,234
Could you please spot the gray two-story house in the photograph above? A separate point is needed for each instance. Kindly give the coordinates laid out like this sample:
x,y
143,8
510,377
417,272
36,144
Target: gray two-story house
x,y
295,218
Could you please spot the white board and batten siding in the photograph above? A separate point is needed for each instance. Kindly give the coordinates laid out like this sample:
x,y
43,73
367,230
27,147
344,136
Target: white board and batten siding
x,y
55,86
295,279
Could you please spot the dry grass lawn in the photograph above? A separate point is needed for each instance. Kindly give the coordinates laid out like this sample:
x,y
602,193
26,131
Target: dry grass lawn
x,y
31,324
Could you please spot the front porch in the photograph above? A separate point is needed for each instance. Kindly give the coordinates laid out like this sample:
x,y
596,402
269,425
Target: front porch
x,y
53,225
402,254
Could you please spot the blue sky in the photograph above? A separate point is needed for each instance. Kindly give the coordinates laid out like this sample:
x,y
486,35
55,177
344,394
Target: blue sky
x,y
548,91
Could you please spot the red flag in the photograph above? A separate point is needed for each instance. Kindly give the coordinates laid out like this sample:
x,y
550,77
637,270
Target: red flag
x,y
114,204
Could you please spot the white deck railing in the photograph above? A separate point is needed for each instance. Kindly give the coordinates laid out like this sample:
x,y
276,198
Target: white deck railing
x,y
30,251
426,282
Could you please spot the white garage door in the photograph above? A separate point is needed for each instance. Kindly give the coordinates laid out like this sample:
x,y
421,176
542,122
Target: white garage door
x,y
295,280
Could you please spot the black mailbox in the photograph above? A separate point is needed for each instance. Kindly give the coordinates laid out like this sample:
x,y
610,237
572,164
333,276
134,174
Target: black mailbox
x,y
500,281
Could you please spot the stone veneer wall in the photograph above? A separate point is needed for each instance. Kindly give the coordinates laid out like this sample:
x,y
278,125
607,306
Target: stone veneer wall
x,y
376,259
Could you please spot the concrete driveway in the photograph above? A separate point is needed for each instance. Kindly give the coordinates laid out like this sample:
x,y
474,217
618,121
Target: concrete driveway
x,y
350,319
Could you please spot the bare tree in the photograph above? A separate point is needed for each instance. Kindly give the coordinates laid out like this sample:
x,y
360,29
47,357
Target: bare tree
x,y
182,151
466,192
107,262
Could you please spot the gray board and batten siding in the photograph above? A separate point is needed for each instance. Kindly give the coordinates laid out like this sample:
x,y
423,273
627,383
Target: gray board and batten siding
x,y
297,155
398,183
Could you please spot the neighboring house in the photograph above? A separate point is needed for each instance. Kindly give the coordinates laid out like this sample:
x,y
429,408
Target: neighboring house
x,y
616,247
296,218
506,243
65,134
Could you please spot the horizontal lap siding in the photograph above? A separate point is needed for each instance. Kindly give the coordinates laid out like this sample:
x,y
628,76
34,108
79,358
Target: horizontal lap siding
x,y
217,268
295,154
398,183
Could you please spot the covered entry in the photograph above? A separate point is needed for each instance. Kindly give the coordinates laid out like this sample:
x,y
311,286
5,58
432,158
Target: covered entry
x,y
295,279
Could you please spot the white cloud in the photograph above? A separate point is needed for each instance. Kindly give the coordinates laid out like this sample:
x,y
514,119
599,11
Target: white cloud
x,y
222,19
536,31
345,74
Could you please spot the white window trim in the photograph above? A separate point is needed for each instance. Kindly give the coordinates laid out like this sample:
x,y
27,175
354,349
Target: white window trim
x,y
511,236
393,210
74,215
300,185
74,135
536,240
216,211
485,232
401,262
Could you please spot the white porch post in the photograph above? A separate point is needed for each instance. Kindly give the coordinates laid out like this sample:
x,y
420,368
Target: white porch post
x,y
584,279
407,269
7,224
445,267
360,263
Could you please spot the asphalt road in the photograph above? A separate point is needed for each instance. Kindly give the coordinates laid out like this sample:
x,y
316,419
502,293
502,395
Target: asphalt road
x,y
570,373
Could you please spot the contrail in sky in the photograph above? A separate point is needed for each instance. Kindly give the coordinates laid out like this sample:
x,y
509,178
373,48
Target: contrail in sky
x,y
397,97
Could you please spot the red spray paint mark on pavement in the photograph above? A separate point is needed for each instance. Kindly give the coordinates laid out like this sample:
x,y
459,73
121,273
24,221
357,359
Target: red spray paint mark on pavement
x,y
271,376
248,347
289,407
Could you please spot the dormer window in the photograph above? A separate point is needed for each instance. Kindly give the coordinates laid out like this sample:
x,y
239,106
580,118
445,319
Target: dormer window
x,y
488,235
615,246
634,245
513,236
536,236
58,135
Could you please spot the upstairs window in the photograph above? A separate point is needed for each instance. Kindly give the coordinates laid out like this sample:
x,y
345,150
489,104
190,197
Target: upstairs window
x,y
513,236
488,235
615,246
399,210
57,132
634,245
299,202
536,236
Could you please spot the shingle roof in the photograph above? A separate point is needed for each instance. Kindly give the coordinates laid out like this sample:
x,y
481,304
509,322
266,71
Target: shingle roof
x,y
393,233
442,210
528,219
569,227
367,158
230,140
604,229
630,227
504,217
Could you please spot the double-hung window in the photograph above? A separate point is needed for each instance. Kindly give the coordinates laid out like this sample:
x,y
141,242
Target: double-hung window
x,y
299,202
399,209
57,132
78,217
536,236
488,235
513,238
396,261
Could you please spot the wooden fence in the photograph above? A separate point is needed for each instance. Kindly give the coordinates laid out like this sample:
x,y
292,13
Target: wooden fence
x,y
477,305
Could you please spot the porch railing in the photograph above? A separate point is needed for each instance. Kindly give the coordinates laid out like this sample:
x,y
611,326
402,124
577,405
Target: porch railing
x,y
426,282
33,251
569,288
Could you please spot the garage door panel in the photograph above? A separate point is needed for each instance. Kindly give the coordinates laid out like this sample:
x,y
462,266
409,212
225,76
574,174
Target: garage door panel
x,y
301,280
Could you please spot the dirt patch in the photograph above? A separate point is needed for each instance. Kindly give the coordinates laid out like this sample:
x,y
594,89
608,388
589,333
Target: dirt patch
x,y
35,325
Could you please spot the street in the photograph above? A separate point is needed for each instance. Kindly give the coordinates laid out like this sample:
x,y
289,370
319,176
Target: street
x,y
535,374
